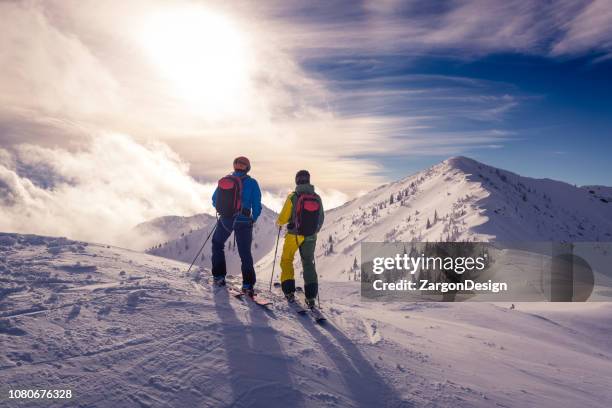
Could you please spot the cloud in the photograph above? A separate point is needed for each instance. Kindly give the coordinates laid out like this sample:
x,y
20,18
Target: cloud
x,y
465,28
81,70
104,188
590,30
48,71
96,193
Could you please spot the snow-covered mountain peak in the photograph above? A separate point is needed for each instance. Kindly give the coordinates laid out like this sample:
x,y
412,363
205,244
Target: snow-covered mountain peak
x,y
462,163
461,199
468,166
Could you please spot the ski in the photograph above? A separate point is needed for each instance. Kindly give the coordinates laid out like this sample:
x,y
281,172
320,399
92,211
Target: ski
x,y
297,308
317,315
259,300
295,305
314,312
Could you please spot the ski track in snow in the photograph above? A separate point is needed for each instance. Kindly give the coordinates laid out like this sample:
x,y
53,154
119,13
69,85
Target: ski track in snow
x,y
122,328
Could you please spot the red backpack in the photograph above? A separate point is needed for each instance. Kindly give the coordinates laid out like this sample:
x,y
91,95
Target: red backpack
x,y
229,196
307,212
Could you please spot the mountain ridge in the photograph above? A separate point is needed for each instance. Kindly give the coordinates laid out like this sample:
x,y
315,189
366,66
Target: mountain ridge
x,y
460,199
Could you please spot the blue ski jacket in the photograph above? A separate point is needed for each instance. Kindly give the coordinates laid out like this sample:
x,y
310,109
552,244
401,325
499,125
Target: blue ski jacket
x,y
251,196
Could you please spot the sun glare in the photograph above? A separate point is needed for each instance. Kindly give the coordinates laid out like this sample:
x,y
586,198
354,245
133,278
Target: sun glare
x,y
204,55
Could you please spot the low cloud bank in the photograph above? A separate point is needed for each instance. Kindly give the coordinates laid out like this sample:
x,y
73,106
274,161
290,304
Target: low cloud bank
x,y
98,192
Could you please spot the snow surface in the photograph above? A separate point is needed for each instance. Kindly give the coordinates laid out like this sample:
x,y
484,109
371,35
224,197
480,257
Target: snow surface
x,y
602,193
122,328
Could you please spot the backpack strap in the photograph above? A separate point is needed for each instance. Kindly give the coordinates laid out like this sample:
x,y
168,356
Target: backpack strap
x,y
294,199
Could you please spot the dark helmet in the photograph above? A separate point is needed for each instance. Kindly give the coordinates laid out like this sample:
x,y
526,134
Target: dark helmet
x,y
242,164
302,177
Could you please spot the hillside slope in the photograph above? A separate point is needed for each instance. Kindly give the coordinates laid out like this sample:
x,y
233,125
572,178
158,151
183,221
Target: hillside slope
x,y
460,199
121,328
169,228
187,244
602,193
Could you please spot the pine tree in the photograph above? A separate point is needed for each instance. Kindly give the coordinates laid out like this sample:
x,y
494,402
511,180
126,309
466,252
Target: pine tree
x,y
428,224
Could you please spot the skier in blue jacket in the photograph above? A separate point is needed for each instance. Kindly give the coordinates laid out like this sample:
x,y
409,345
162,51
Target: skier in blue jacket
x,y
242,226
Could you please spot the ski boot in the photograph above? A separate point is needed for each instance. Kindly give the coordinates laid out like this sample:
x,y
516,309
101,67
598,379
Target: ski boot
x,y
310,303
219,281
248,290
294,304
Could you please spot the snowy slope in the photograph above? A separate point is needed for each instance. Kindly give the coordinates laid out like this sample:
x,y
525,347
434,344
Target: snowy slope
x,y
170,228
189,240
121,328
460,199
602,193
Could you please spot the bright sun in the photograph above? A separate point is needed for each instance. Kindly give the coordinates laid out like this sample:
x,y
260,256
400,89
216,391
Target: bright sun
x,y
204,56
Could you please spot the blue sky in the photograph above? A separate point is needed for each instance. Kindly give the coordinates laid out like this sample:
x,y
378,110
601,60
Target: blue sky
x,y
537,100
558,123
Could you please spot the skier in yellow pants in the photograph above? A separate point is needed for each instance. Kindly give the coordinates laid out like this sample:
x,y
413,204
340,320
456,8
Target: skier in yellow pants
x,y
303,214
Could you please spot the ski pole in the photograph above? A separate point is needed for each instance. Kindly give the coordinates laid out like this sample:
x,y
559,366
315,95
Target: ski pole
x,y
201,249
275,252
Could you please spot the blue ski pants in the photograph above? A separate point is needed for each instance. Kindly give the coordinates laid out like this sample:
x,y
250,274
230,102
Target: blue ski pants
x,y
243,231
